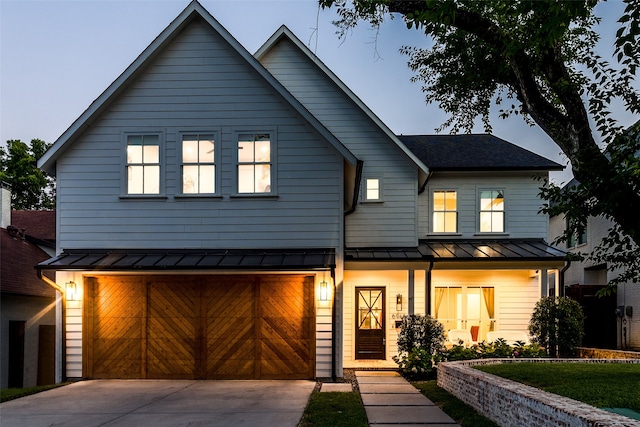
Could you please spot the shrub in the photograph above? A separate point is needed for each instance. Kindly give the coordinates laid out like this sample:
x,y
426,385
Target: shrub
x,y
496,349
417,331
420,341
461,352
417,364
557,324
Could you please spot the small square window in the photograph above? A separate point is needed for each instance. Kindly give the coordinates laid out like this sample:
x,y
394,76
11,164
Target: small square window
x,y
372,190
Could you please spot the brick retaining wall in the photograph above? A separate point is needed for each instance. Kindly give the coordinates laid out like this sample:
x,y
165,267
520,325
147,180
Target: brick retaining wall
x,y
598,353
509,403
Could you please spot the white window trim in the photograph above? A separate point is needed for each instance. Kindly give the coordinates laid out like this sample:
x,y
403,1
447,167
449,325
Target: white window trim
x,y
273,157
504,212
380,198
216,162
124,194
432,211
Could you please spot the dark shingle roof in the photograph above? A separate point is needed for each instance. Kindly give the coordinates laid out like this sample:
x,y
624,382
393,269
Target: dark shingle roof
x,y
17,258
38,224
476,152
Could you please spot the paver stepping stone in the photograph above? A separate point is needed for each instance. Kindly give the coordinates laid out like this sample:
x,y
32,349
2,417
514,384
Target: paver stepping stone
x,y
395,399
406,415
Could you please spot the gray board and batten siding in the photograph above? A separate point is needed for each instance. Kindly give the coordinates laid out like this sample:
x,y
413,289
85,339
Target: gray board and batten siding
x,y
391,222
199,83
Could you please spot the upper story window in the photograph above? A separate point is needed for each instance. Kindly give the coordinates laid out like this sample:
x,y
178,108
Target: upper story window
x,y
198,164
254,163
445,211
143,164
492,211
372,190
576,239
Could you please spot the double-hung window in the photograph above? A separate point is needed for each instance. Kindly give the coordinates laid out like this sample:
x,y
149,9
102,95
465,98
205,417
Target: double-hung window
x,y
492,211
445,211
198,164
373,190
255,165
143,164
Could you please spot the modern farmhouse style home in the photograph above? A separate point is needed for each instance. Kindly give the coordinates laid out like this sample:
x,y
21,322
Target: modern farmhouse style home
x,y
228,215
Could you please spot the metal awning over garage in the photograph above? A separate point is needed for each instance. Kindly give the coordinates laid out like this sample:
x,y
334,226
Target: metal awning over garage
x,y
437,250
233,259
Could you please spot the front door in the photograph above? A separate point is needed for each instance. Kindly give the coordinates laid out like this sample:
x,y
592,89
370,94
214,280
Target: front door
x,y
370,323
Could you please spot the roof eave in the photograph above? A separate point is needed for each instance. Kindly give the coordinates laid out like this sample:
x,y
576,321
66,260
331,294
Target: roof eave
x,y
193,10
283,31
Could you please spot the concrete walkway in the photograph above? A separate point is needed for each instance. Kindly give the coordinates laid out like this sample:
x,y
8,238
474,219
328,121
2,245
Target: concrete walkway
x,y
390,400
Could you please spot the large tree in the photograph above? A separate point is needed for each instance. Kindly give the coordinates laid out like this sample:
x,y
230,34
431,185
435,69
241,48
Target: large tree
x,y
31,188
538,59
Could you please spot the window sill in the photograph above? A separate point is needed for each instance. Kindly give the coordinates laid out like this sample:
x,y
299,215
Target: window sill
x,y
444,234
197,196
372,202
143,197
492,234
255,196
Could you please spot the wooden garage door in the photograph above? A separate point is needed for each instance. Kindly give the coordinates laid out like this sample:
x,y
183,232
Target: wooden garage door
x,y
199,327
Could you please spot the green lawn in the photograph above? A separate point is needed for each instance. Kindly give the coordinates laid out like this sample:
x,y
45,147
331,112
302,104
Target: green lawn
x,y
346,409
337,409
603,385
14,393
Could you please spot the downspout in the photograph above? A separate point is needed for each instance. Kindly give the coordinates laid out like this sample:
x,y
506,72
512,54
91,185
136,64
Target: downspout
x,y
423,186
333,326
63,321
561,278
356,188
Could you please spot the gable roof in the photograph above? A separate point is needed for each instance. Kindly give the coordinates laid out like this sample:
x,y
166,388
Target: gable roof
x,y
475,152
284,33
192,11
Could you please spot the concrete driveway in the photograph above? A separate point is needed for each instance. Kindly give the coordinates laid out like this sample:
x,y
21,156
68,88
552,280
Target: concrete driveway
x,y
160,403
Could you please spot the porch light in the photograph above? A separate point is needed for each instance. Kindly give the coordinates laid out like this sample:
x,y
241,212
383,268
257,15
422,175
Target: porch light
x,y
324,291
399,302
71,291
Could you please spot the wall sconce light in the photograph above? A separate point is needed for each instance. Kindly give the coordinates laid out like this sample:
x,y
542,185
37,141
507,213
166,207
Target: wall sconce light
x,y
324,291
399,302
71,291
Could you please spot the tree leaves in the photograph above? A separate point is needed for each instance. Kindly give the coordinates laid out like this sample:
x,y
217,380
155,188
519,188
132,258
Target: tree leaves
x,y
31,188
539,54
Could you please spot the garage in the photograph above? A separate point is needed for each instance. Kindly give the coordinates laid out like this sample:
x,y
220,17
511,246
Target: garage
x,y
199,327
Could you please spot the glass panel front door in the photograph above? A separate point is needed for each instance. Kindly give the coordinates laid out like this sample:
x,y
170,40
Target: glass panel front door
x,y
370,323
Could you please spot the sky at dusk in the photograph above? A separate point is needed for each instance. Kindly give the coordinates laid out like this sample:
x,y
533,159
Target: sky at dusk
x,y
56,57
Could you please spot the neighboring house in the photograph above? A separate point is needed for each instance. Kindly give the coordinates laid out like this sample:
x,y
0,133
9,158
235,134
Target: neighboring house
x,y
613,321
27,304
224,215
